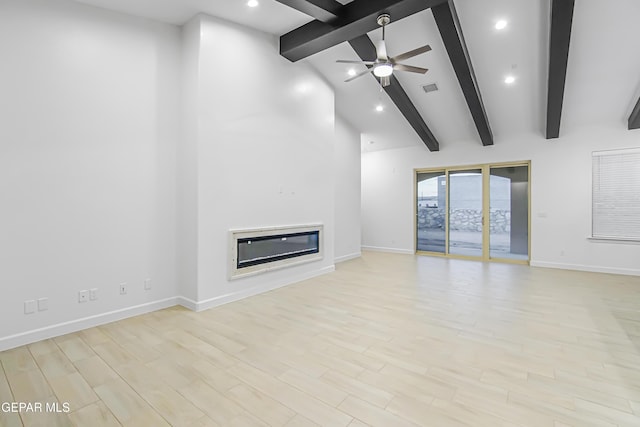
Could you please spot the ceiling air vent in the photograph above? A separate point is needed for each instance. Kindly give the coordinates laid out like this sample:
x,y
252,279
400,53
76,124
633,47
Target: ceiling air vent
x,y
430,88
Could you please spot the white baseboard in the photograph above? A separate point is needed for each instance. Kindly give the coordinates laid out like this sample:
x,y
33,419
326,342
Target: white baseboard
x,y
344,258
187,303
235,296
390,250
29,337
589,268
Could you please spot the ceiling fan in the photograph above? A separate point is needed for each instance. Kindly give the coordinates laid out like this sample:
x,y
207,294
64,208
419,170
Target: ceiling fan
x,y
383,66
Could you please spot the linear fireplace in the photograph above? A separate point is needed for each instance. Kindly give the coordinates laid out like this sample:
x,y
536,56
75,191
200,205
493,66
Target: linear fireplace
x,y
262,249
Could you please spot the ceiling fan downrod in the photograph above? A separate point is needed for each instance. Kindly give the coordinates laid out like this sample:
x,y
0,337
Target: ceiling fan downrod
x,y
383,20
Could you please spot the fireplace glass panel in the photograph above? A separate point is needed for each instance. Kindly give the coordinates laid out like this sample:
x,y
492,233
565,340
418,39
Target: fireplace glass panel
x,y
265,249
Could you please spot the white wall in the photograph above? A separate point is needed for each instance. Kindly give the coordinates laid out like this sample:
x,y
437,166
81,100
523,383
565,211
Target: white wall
x,y
265,154
88,112
128,151
560,194
347,191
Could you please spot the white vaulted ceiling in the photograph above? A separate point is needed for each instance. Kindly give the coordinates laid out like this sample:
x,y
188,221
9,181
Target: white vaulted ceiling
x,y
603,76
271,16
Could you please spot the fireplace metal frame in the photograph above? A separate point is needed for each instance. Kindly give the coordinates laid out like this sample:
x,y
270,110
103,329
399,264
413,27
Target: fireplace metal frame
x,y
235,235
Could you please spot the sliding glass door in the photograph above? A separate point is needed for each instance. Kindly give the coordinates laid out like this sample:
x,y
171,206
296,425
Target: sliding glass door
x,y
465,212
431,234
479,212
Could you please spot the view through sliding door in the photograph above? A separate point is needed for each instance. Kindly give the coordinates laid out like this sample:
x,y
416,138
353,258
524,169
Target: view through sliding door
x,y
432,199
509,206
465,212
479,212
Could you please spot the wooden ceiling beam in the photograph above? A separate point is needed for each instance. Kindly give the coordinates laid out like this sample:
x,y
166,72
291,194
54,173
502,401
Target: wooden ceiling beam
x,y
355,19
366,50
559,39
449,26
634,118
322,10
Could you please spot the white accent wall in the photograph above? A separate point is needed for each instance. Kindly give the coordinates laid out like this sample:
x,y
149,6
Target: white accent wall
x,y
560,194
264,140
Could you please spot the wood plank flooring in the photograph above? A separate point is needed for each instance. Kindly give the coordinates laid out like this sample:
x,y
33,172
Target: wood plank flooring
x,y
387,340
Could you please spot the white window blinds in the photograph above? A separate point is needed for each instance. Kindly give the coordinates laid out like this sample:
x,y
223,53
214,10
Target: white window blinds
x,y
616,194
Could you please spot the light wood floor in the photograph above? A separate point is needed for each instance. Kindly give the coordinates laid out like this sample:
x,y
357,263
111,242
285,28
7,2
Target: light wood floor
x,y
387,340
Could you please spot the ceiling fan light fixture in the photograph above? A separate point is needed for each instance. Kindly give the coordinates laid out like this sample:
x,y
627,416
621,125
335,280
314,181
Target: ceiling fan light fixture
x,y
382,70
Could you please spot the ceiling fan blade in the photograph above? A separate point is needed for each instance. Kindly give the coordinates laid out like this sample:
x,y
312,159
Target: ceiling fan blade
x,y
381,51
410,68
346,61
367,71
411,53
385,81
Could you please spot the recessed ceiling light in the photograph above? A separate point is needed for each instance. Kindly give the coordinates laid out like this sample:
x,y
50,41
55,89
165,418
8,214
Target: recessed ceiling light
x,y
303,87
509,80
501,24
252,3
351,72
379,108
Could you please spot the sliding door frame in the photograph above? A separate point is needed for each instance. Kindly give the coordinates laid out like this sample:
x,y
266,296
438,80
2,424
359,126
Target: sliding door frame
x,y
486,210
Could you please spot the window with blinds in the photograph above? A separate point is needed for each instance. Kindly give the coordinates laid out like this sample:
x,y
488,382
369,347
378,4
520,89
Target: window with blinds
x,y
616,195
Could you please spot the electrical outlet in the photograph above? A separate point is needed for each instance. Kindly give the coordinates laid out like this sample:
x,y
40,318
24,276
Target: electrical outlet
x,y
93,294
123,288
83,296
30,306
147,284
43,304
